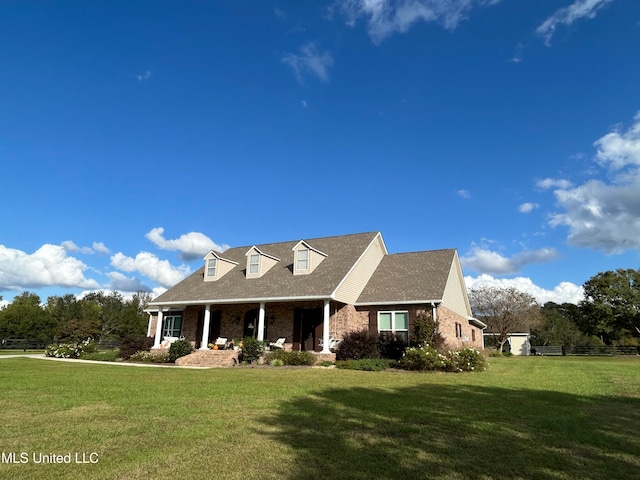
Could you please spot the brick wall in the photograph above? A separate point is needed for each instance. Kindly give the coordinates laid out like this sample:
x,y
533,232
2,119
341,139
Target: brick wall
x,y
447,327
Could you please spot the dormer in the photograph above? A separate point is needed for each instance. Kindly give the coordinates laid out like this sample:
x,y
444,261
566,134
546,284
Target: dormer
x,y
216,267
258,262
306,258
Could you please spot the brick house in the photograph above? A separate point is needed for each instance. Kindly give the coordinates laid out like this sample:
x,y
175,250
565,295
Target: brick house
x,y
313,291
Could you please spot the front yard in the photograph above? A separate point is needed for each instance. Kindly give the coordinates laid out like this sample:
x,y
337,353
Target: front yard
x,y
543,418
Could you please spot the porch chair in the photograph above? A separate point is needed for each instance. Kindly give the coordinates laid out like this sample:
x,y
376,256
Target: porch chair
x,y
333,343
221,343
278,344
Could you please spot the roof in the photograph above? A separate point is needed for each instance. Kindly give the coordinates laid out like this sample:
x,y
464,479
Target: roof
x,y
279,282
409,277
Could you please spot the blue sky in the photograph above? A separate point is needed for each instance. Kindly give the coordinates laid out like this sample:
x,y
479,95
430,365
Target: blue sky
x,y
136,136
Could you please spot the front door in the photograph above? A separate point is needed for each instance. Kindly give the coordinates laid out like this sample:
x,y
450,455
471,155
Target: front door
x,y
307,328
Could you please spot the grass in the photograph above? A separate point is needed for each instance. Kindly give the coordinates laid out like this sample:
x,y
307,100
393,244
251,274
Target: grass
x,y
19,352
539,417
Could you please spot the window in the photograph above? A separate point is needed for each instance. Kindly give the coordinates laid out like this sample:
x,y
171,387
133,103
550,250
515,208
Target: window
x,y
394,322
212,265
172,326
302,263
458,330
254,263
473,334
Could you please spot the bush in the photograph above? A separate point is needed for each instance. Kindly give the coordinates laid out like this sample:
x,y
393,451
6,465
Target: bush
x,y
467,360
358,345
391,346
291,358
104,356
160,356
134,343
423,358
71,350
366,364
251,350
178,349
425,331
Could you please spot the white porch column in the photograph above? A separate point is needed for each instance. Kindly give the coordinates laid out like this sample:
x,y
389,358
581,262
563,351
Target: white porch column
x,y
205,328
261,322
325,328
159,320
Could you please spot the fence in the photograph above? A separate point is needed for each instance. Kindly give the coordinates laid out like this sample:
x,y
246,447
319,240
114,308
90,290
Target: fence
x,y
23,344
599,350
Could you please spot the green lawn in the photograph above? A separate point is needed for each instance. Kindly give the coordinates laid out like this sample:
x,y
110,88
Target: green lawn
x,y
19,352
537,418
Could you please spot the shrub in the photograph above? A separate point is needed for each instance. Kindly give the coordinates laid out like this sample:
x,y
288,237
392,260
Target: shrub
x,y
71,350
252,350
425,357
178,349
160,356
276,362
134,343
366,364
358,345
425,331
391,346
291,358
468,360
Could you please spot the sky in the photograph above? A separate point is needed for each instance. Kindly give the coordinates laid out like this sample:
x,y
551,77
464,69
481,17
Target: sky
x,y
137,136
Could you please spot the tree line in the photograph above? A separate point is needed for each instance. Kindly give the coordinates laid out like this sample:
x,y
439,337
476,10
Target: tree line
x,y
98,315
608,314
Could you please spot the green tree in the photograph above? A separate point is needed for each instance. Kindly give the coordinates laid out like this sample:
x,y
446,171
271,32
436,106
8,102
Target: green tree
x,y
505,311
558,326
611,305
24,317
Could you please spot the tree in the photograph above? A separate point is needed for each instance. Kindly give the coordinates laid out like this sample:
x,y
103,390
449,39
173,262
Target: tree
x,y
505,311
559,326
611,305
25,318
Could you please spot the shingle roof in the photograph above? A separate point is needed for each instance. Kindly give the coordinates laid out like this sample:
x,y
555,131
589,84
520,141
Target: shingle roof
x,y
407,277
279,282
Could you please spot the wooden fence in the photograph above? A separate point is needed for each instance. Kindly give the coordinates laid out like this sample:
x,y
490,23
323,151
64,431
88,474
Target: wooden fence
x,y
591,351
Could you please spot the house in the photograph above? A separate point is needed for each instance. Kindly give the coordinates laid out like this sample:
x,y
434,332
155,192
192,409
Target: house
x,y
314,291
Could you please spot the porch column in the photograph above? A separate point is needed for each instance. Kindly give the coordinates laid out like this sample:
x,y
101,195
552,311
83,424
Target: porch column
x,y
261,322
159,320
325,328
205,328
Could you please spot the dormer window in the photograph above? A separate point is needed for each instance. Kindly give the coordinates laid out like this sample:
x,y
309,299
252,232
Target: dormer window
x,y
306,258
259,262
216,267
212,265
302,260
254,264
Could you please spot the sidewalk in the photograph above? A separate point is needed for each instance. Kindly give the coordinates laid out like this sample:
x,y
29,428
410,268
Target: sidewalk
x,y
41,356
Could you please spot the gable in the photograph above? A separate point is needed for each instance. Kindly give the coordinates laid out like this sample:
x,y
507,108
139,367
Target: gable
x,y
455,293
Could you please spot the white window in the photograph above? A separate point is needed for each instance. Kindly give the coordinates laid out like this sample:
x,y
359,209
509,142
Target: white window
x,y
254,263
212,266
302,263
394,322
172,326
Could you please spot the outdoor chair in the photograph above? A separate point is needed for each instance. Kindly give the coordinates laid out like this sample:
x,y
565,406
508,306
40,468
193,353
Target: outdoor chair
x,y
221,343
333,343
278,344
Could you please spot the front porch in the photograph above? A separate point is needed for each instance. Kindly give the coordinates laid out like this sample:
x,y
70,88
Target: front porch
x,y
228,358
306,326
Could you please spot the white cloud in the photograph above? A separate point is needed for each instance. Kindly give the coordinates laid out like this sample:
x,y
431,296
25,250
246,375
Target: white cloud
x,y
145,76
123,283
47,266
464,193
606,216
100,247
192,245
483,260
548,183
309,60
567,15
281,15
565,292
527,207
70,246
151,267
386,17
